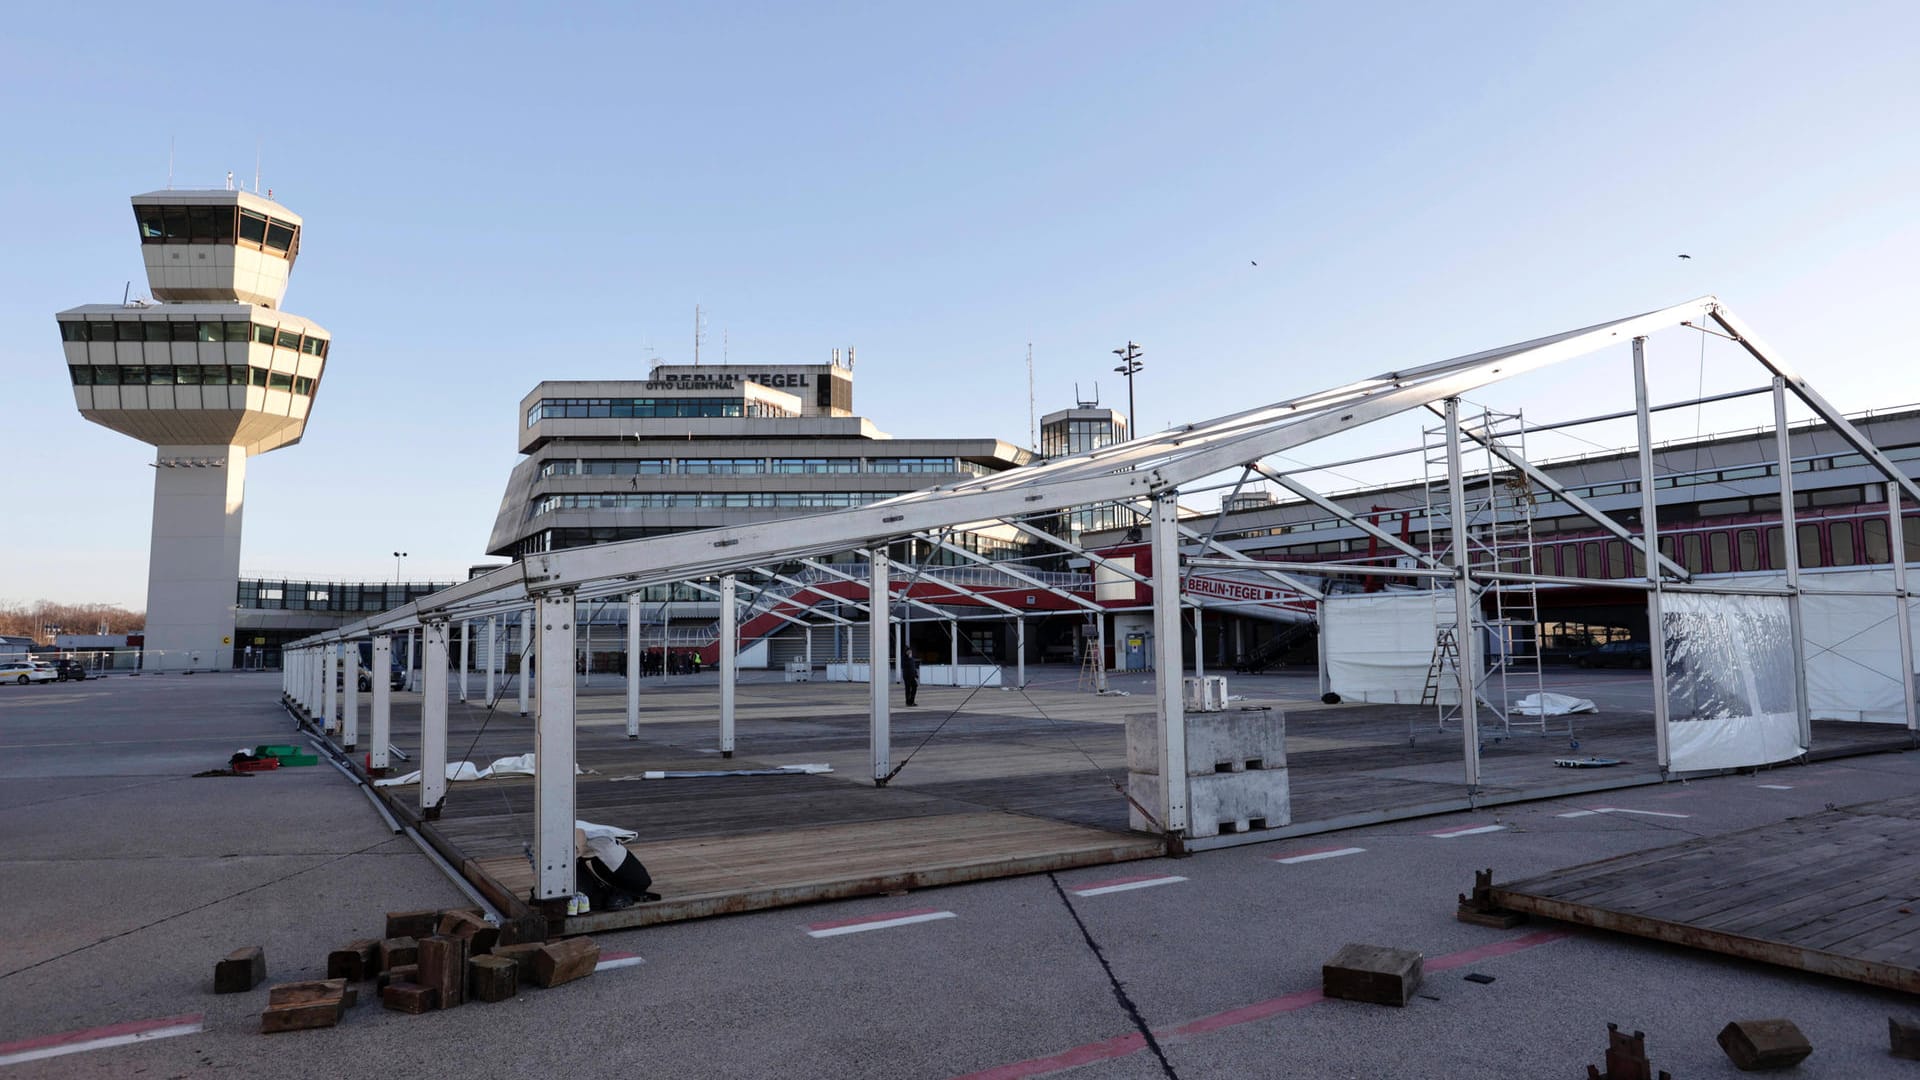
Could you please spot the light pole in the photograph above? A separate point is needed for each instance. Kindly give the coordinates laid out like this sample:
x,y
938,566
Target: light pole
x,y
397,556
1130,365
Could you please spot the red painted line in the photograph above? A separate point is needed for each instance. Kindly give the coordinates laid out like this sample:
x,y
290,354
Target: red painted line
x,y
1117,1047
606,956
882,917
1118,881
1247,1014
1493,949
131,1027
1123,1045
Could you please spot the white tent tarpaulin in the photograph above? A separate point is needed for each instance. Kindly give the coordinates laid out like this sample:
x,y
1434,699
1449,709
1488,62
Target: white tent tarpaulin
x,y
1730,683
1853,645
1380,645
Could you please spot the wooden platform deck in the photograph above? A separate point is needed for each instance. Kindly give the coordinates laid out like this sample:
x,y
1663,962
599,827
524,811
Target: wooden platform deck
x,y
995,783
1834,893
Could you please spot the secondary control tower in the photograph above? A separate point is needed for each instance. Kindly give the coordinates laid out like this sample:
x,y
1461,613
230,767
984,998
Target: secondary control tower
x,y
209,373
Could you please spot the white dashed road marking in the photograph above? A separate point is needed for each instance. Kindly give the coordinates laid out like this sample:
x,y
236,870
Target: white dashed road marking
x,y
1317,854
1101,888
875,922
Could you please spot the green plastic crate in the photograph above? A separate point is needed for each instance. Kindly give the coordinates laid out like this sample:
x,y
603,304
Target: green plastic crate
x,y
296,758
274,750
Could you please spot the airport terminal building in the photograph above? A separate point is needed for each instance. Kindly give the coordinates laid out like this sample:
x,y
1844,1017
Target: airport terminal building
x,y
700,447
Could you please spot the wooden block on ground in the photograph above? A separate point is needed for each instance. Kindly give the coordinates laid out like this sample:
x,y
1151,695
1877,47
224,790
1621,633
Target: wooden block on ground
x,y
242,970
303,993
527,928
398,952
302,1006
316,1014
443,966
563,961
521,954
1759,1045
492,978
1499,920
357,960
481,937
1905,1037
401,973
408,997
1372,973
413,924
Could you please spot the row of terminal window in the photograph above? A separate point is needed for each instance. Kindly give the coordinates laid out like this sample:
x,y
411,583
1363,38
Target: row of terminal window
x,y
749,466
205,332
217,225
1824,463
1834,542
709,500
187,375
648,408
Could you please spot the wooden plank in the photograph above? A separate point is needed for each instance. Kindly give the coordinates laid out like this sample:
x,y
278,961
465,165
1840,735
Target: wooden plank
x,y
1821,894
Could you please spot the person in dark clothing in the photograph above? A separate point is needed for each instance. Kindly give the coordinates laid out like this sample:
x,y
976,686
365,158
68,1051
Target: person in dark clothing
x,y
910,674
611,876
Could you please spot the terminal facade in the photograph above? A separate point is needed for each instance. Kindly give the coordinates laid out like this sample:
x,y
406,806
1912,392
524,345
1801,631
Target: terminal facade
x,y
705,446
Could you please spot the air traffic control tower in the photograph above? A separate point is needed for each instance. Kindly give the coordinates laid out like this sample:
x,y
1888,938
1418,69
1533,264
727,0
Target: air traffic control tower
x,y
210,372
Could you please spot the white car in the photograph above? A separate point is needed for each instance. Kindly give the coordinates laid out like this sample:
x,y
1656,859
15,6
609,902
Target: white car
x,y
27,671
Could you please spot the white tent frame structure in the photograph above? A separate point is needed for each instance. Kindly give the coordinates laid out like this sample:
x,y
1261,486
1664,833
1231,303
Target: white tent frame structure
x,y
1147,473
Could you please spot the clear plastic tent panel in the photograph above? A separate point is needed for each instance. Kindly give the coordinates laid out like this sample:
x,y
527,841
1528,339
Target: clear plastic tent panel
x,y
1730,684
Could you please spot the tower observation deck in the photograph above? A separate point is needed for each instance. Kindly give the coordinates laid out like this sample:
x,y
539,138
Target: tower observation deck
x,y
210,373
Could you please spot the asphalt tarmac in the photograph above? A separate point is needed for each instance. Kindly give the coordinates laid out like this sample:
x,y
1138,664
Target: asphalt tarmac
x,y
123,878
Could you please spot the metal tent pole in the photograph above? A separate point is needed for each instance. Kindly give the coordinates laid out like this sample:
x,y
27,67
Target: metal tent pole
x,y
382,719
329,680
1790,547
1897,555
350,695
1650,541
878,665
633,665
1167,668
553,743
526,657
729,656
493,659
433,718
1463,600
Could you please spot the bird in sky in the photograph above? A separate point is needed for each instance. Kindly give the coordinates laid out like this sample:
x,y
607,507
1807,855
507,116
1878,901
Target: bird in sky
x,y
1255,262
1686,256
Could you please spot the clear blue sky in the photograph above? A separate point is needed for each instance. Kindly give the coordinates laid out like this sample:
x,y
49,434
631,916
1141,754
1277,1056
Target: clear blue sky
x,y
499,194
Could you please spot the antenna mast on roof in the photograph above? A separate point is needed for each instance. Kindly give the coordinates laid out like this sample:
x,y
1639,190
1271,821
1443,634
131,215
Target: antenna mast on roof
x,y
256,164
1033,438
698,327
169,163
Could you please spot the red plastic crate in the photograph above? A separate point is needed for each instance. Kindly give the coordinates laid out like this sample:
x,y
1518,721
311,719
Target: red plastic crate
x,y
262,765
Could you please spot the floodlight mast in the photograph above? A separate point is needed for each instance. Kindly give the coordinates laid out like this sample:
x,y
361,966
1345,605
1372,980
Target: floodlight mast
x,y
1130,366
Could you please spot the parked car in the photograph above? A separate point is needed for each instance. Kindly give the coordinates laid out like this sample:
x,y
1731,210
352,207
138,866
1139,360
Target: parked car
x,y
1621,654
396,680
26,671
70,670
